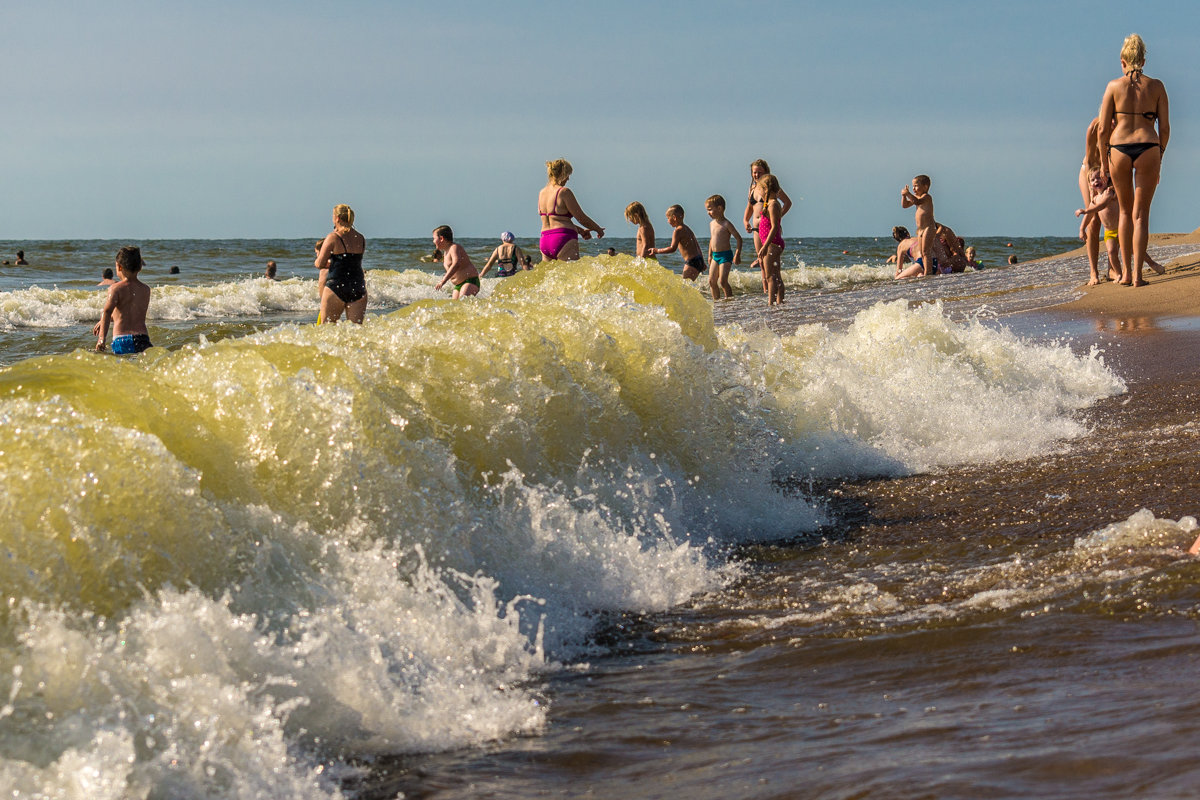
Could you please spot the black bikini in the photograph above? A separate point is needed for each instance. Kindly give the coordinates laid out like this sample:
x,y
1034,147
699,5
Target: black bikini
x,y
345,278
1135,149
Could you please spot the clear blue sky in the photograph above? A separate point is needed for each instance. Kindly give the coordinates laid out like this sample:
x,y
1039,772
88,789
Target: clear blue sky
x,y
159,119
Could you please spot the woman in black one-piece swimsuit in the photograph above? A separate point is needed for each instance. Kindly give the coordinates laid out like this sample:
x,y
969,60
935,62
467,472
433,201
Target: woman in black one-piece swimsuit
x,y
345,285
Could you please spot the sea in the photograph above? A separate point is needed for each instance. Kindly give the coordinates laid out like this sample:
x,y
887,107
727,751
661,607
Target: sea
x,y
593,534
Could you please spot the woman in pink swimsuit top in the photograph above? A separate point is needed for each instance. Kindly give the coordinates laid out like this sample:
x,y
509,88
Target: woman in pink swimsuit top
x,y
557,207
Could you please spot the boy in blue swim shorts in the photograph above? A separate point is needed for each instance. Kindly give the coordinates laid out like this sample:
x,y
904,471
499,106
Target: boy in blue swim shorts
x,y
720,256
125,307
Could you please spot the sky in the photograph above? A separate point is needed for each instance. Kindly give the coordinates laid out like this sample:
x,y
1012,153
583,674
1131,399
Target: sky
x,y
156,119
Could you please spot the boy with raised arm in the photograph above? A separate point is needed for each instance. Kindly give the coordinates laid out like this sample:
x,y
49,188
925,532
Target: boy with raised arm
x,y
920,197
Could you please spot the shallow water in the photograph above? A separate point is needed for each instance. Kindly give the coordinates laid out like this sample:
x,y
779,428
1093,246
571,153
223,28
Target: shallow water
x,y
591,536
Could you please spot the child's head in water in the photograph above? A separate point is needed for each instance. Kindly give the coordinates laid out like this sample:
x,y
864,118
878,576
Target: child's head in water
x,y
635,212
129,260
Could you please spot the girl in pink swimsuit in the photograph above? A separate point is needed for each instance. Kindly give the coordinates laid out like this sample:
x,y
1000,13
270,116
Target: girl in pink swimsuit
x,y
770,235
557,207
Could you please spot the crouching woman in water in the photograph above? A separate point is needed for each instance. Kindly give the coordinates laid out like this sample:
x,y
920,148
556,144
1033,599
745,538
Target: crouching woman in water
x,y
557,206
345,285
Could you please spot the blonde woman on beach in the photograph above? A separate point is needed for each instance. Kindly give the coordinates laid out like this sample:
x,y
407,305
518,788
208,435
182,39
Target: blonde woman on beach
x,y
557,207
340,258
1131,151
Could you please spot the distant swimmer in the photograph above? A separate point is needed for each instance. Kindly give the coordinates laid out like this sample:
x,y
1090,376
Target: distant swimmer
x,y
683,240
173,270
557,207
920,198
1102,209
1131,151
341,254
507,256
125,307
635,212
459,268
612,251
21,262
271,270
971,262
721,257
106,278
528,262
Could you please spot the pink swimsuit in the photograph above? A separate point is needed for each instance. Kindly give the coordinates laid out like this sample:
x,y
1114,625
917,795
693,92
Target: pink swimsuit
x,y
553,240
764,228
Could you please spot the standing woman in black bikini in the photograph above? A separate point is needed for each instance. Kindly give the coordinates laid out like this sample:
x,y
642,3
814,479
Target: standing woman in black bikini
x,y
1131,151
345,285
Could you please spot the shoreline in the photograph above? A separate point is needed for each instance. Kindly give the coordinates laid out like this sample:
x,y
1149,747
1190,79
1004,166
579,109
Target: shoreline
x,y
1175,293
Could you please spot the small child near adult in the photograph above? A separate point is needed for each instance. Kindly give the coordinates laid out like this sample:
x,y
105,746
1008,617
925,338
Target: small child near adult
x,y
720,256
971,262
125,307
1103,206
770,235
459,269
683,240
920,197
636,213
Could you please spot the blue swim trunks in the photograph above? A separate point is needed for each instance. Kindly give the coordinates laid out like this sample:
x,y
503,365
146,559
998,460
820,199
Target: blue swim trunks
x,y
131,343
723,256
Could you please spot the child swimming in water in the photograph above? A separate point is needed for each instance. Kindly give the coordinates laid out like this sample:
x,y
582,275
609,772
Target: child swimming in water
x,y
126,307
683,240
635,212
459,269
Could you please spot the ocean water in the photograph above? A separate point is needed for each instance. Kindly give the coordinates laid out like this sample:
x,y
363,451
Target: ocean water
x,y
590,534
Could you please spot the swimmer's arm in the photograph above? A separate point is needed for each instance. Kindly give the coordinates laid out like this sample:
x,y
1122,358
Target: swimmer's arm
x,y
100,330
1108,111
1164,123
787,202
568,198
749,213
492,259
322,261
671,248
451,263
733,231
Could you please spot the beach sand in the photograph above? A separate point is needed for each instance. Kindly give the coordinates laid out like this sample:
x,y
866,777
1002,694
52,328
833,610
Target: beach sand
x,y
1175,293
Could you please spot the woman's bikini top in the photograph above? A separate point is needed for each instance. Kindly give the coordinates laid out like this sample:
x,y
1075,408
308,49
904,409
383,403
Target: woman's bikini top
x,y
567,215
1152,116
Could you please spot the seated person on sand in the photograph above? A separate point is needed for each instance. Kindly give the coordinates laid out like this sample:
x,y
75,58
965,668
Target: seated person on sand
x,y
955,259
908,250
1103,205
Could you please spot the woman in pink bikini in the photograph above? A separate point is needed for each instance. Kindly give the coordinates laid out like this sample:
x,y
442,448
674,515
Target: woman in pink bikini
x,y
1131,151
557,207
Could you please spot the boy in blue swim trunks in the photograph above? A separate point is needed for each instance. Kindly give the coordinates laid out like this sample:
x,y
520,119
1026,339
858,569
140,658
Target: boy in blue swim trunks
x,y
460,270
125,307
683,240
720,256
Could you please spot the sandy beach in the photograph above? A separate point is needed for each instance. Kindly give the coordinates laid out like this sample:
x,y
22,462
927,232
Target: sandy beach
x,y
1174,293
